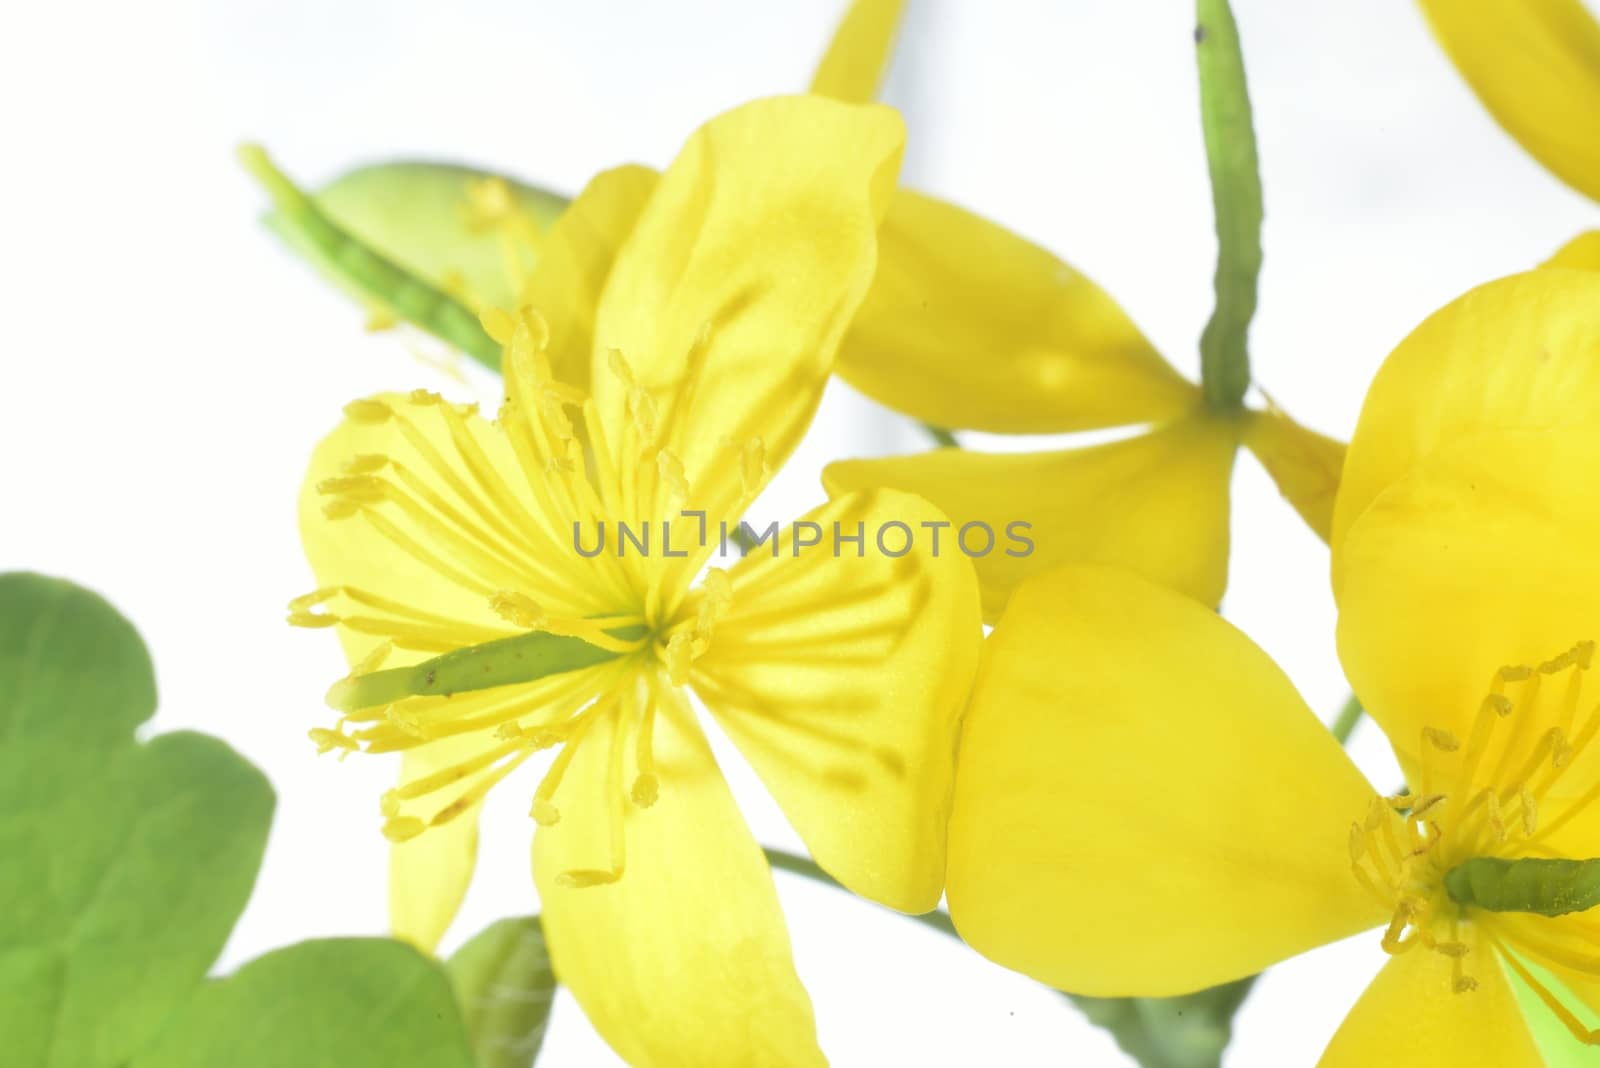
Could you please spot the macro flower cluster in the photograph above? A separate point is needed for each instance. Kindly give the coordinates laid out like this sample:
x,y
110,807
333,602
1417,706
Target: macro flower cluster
x,y
994,690
1118,792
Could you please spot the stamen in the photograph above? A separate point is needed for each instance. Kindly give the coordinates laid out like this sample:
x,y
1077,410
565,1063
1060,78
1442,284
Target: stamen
x,y
1530,812
616,816
1443,740
518,609
403,828
752,467
368,412
646,787
328,740
670,469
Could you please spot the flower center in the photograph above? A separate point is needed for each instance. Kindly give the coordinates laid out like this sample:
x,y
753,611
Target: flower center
x,y
561,649
1474,837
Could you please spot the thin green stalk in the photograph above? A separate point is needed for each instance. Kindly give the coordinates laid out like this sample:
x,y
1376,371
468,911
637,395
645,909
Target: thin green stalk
x,y
364,269
1347,719
794,864
1236,197
941,437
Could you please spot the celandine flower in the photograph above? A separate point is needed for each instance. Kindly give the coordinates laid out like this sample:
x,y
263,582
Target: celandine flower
x,y
1145,806
966,325
675,337
1535,64
969,325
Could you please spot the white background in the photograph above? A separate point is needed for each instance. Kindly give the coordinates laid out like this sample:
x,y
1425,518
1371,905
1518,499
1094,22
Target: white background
x,y
167,368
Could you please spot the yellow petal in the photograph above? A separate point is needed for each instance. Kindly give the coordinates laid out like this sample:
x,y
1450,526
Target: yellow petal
x,y
1304,464
1483,557
969,325
684,962
842,679
579,250
1557,955
1411,1016
729,298
1156,503
1519,353
1581,253
428,875
1535,64
859,52
1144,805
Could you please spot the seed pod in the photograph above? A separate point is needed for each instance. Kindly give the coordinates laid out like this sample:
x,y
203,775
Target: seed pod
x,y
1532,884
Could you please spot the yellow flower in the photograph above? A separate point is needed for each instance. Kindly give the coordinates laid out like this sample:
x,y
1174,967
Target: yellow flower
x,y
965,325
1535,64
969,325
676,335
1145,806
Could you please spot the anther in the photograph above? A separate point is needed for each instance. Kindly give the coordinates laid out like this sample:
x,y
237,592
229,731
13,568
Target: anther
x,y
544,813
1497,823
367,411
1426,805
328,740
1499,702
670,469
752,466
403,828
374,659
677,656
518,608
498,324
1453,950
619,367
1530,812
1514,673
1377,813
366,489
646,790
1442,740
578,880
538,329
1358,843
1464,984
365,464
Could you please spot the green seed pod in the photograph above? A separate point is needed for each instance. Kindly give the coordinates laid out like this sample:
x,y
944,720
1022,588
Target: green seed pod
x,y
525,658
1532,884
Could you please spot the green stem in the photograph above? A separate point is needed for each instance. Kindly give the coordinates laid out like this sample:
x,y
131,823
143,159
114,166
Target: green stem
x,y
938,919
1153,1031
1236,197
941,437
1347,719
365,269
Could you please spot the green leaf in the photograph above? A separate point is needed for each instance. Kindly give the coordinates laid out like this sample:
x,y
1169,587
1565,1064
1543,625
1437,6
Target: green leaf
x,y
398,238
1236,196
335,1003
504,984
72,671
122,865
1190,1031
